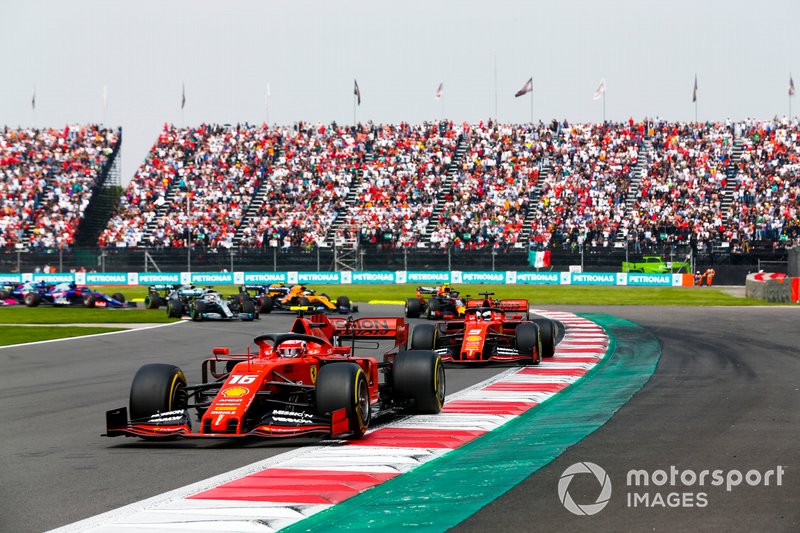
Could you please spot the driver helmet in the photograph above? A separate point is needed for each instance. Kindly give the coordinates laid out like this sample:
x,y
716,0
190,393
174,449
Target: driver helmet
x,y
292,348
486,315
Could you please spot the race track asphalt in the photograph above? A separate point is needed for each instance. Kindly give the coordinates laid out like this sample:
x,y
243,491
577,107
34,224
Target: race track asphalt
x,y
726,395
56,467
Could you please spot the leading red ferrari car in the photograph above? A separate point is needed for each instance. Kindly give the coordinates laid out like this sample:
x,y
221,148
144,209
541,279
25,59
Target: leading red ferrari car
x,y
304,382
491,331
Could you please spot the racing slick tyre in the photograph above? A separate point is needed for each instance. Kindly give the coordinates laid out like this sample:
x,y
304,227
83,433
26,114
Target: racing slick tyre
x,y
266,304
118,296
88,300
419,375
344,386
433,307
547,332
157,388
303,301
343,302
413,308
528,340
174,308
249,306
152,301
198,309
423,337
32,299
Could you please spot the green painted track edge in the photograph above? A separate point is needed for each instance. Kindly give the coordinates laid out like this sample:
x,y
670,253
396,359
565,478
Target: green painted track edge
x,y
445,491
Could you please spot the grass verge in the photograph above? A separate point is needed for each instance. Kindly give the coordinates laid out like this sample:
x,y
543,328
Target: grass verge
x,y
16,335
18,314
537,294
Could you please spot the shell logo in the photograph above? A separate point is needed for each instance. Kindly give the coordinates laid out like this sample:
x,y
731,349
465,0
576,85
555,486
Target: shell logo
x,y
474,338
235,392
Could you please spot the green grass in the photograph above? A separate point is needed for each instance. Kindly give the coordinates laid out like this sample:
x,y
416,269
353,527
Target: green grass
x,y
18,314
558,294
17,335
537,294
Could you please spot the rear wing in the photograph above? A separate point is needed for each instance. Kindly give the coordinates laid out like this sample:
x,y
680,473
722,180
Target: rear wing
x,y
517,308
371,328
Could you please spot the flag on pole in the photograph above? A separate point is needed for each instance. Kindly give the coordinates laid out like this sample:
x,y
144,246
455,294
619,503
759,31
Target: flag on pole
x,y
105,97
439,91
269,91
694,93
791,86
357,91
183,95
33,98
528,87
600,90
539,259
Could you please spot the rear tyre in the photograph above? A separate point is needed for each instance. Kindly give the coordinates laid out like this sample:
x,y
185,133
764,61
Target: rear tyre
x,y
198,309
266,304
152,301
423,337
433,307
343,302
547,332
4,295
413,308
174,308
32,299
157,388
529,342
118,296
88,300
344,386
418,375
249,306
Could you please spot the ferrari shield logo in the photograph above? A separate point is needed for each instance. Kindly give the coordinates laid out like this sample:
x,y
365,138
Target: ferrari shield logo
x,y
313,374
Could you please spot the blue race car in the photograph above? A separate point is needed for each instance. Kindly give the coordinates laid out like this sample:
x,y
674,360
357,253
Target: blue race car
x,y
68,293
24,293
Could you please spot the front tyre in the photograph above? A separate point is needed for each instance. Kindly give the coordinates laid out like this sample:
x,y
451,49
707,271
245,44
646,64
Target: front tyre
x,y
344,386
198,308
418,375
157,388
32,299
89,300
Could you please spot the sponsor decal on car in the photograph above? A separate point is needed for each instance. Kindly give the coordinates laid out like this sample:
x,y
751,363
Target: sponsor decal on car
x,y
473,338
235,392
313,374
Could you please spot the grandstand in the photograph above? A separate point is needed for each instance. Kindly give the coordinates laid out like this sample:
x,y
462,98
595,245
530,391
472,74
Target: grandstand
x,y
437,186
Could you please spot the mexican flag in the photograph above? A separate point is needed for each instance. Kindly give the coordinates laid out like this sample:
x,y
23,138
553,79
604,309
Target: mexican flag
x,y
539,259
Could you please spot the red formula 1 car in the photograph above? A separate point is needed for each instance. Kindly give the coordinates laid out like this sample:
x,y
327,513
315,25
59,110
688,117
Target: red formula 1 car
x,y
304,382
492,330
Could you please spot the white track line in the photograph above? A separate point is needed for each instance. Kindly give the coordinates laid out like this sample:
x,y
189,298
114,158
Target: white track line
x,y
99,325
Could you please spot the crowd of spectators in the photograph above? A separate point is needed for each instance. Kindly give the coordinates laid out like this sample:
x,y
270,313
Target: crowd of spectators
x,y
766,200
395,198
307,184
489,198
47,177
582,198
196,185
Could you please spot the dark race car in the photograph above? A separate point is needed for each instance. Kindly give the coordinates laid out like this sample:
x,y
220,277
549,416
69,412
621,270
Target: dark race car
x,y
305,382
66,294
281,297
444,303
158,295
207,304
491,331
23,293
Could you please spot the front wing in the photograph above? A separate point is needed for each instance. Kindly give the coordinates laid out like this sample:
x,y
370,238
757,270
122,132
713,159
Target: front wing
x,y
177,424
